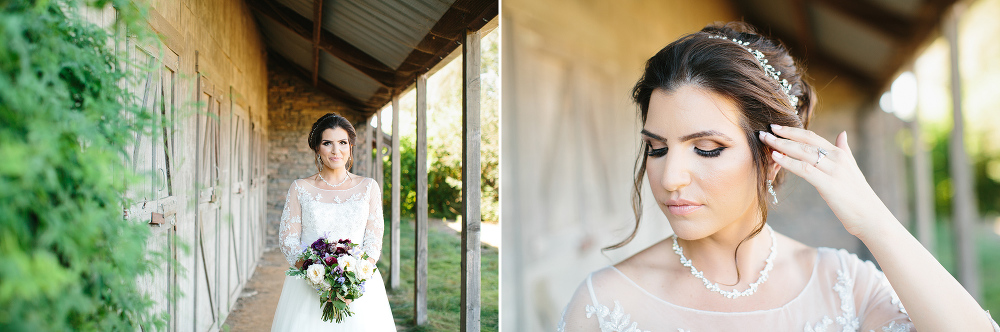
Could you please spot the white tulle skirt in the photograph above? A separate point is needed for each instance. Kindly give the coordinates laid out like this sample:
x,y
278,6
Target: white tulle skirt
x,y
299,309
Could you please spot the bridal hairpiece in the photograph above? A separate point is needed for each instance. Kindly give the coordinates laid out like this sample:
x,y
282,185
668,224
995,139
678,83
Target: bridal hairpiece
x,y
776,75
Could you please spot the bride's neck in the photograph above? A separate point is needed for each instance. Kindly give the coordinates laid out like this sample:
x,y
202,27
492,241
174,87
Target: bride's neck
x,y
333,176
713,255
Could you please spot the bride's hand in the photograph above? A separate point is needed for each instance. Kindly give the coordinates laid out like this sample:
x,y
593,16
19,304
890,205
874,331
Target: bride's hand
x,y
835,174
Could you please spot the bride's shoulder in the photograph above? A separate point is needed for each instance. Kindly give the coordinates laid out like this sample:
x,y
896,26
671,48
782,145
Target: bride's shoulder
x,y
647,260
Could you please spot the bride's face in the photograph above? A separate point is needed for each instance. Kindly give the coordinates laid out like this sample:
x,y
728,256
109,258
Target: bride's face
x,y
699,163
335,148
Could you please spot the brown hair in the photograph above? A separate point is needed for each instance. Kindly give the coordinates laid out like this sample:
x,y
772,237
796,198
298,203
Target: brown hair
x,y
724,67
331,121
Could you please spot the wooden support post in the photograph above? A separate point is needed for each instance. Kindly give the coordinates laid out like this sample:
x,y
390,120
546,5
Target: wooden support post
x,y
964,214
923,192
420,250
378,150
471,170
394,226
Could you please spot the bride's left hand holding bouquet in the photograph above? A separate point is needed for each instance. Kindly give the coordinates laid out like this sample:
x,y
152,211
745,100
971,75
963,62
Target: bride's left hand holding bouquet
x,y
338,271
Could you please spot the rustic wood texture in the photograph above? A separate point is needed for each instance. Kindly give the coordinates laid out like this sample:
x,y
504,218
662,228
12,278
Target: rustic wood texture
x,y
471,180
394,224
923,178
420,262
317,27
964,214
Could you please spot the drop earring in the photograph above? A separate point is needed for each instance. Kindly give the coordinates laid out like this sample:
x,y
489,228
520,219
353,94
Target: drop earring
x,y
770,189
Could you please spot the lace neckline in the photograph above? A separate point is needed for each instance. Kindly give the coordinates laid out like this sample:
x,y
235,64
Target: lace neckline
x,y
317,188
809,284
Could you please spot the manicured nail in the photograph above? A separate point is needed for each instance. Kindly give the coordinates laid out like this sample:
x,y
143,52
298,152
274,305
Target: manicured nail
x,y
775,127
777,155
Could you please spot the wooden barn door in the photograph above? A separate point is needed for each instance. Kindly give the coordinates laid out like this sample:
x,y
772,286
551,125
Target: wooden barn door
x,y
205,293
238,250
151,157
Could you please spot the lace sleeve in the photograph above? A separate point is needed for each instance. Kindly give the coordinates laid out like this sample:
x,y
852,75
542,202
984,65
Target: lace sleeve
x,y
372,244
290,231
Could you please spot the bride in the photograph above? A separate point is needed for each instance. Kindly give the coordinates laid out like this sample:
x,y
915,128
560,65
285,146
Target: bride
x,y
724,110
339,205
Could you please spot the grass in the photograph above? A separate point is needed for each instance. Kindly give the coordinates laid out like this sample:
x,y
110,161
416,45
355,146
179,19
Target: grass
x,y
444,281
988,249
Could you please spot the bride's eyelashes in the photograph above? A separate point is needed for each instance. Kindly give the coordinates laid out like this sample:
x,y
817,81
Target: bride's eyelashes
x,y
710,153
655,153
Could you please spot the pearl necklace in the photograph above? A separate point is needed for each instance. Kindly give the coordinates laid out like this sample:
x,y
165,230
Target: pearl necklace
x,y
768,265
332,186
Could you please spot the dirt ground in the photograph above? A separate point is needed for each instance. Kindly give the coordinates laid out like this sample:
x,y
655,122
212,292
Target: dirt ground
x,y
254,311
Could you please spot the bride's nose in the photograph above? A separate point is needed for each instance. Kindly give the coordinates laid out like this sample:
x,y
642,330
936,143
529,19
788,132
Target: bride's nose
x,y
676,172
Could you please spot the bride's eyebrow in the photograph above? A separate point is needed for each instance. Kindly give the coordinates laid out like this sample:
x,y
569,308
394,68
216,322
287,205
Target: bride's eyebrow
x,y
646,133
700,134
705,133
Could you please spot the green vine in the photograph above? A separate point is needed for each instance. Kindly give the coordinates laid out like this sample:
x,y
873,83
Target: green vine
x,y
68,260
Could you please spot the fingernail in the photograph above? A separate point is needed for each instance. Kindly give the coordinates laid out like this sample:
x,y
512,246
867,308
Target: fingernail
x,y
775,127
777,155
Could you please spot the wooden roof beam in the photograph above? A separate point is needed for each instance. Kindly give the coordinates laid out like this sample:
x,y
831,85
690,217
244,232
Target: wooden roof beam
x,y
328,42
814,57
445,36
803,24
317,27
896,26
333,91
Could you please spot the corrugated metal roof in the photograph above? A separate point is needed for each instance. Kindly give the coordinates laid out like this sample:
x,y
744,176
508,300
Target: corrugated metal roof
x,y
388,30
371,46
287,43
346,77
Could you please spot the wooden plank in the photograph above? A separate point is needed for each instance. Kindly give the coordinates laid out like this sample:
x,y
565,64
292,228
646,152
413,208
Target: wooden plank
x,y
317,27
471,170
378,150
329,42
420,250
394,226
893,25
446,35
923,189
964,214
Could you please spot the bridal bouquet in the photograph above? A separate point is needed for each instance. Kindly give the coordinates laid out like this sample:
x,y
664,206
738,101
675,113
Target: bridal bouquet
x,y
338,271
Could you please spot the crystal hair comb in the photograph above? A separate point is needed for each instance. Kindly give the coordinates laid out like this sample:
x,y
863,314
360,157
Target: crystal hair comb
x,y
768,69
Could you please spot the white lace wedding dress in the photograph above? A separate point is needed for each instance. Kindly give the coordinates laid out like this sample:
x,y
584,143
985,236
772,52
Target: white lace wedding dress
x,y
310,213
843,294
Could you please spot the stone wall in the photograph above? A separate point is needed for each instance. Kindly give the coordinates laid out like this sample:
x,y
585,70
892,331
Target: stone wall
x,y
293,106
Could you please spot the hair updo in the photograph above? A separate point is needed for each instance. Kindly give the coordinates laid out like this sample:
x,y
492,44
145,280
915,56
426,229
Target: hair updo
x,y
727,69
331,121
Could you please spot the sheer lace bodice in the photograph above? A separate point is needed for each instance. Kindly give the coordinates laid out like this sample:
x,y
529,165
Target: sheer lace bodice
x,y
310,213
843,294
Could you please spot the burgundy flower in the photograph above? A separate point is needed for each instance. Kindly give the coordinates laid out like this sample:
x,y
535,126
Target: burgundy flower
x,y
344,241
330,260
319,245
306,263
340,251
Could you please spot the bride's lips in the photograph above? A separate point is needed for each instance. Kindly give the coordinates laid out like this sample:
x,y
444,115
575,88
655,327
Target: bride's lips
x,y
680,207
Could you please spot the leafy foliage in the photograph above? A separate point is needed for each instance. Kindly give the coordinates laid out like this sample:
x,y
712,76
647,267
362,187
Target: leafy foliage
x,y
444,176
68,260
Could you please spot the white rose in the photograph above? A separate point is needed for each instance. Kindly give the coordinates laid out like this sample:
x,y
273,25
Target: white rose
x,y
315,273
348,263
367,269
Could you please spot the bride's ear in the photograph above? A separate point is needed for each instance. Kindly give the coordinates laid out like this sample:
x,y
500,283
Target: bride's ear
x,y
772,166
